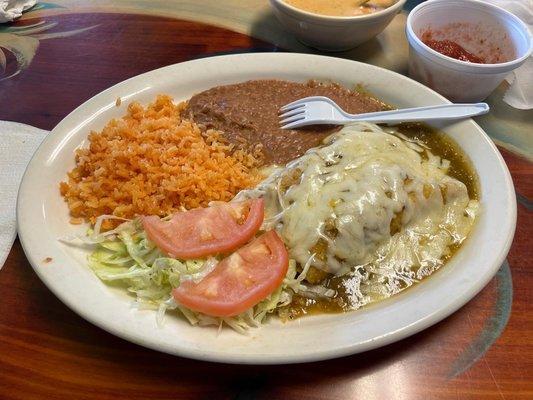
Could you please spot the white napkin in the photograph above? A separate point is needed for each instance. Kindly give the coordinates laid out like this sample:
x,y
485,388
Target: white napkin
x,y
520,94
11,9
18,142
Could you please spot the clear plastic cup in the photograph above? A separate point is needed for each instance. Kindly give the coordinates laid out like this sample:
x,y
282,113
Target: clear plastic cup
x,y
483,29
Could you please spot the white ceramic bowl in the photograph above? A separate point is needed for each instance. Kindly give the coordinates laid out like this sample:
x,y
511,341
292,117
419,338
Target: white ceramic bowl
x,y
42,218
333,33
462,81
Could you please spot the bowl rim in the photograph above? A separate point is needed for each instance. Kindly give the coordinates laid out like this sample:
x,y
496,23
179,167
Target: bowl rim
x,y
332,18
474,67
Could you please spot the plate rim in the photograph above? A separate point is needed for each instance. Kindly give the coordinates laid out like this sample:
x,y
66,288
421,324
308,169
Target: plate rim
x,y
402,333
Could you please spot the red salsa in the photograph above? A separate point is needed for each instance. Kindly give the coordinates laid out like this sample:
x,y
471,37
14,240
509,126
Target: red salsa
x,y
453,50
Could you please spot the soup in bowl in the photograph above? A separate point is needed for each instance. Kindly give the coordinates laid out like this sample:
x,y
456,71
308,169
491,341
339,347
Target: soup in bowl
x,y
336,25
341,8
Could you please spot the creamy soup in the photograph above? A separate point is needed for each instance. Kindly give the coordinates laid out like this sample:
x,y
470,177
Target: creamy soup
x,y
341,8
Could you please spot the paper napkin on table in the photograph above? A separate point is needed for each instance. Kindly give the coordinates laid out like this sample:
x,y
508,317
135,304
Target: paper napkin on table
x,y
18,142
520,94
12,9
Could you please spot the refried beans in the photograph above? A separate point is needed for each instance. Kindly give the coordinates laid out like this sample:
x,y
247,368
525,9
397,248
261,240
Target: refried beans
x,y
247,114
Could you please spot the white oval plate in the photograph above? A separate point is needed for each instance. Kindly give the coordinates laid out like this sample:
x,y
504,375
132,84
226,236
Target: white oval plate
x,y
43,217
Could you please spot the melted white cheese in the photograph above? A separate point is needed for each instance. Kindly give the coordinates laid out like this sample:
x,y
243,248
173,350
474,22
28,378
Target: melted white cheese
x,y
345,196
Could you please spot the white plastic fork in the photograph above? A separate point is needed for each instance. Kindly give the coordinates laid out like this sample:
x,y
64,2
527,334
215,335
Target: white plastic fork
x,y
319,110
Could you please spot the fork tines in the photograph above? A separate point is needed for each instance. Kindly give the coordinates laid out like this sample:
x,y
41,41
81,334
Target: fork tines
x,y
294,114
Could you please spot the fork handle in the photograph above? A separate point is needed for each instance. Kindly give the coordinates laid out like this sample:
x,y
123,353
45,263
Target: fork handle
x,y
431,113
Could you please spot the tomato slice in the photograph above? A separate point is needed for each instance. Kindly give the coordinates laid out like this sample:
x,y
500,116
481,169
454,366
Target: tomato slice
x,y
220,228
239,281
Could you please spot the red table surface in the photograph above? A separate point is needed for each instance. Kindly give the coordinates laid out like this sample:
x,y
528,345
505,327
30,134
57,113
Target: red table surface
x,y
483,351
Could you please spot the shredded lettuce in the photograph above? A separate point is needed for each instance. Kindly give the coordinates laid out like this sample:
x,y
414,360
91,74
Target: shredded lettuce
x,y
128,257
